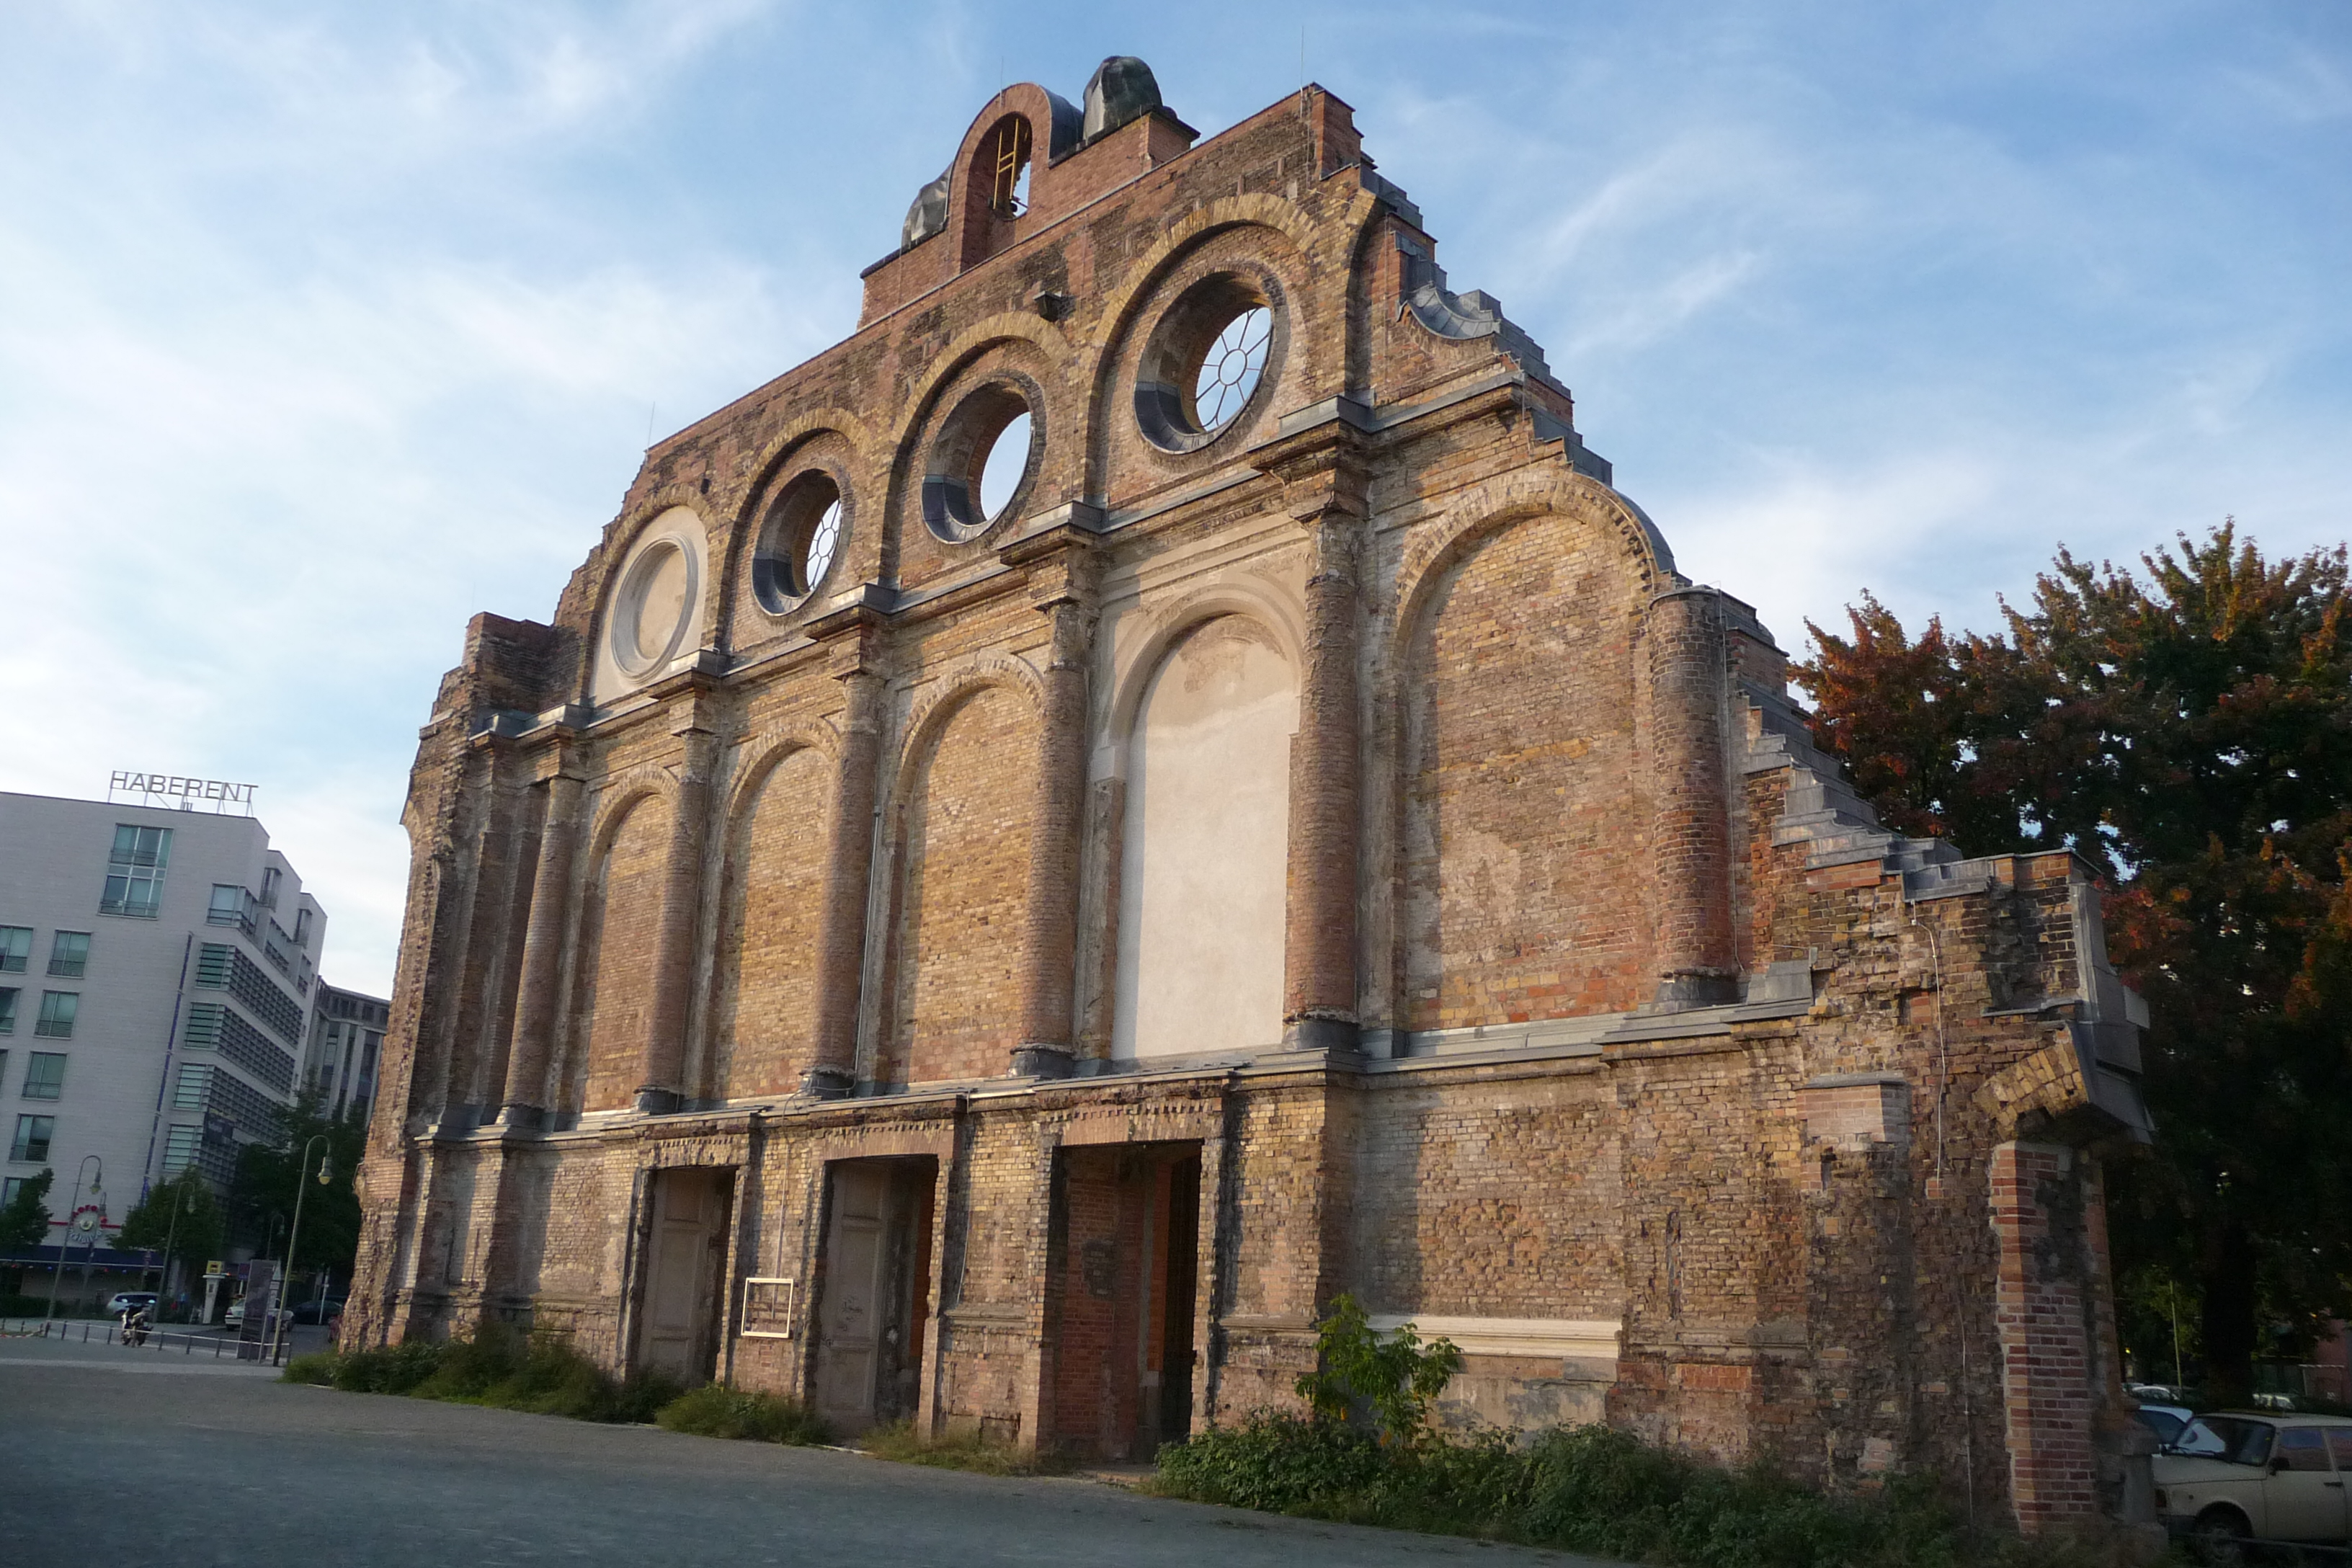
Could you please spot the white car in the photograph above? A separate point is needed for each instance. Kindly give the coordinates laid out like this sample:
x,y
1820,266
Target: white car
x,y
2230,1478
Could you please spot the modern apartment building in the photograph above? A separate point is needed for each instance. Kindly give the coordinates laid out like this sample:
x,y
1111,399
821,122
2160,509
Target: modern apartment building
x,y
157,971
346,1038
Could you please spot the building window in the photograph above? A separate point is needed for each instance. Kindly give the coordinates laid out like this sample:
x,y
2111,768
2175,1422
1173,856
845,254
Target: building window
x,y
7,1013
32,1142
45,1075
269,875
134,871
70,953
302,927
16,947
189,1093
10,1188
57,1010
201,1029
3,1067
227,908
180,1145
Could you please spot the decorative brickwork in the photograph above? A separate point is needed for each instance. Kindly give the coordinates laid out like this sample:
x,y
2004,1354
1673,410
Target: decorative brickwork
x,y
853,953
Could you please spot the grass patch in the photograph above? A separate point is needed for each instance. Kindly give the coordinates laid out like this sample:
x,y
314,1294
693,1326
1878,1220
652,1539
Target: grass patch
x,y
318,1367
716,1410
1592,1489
900,1441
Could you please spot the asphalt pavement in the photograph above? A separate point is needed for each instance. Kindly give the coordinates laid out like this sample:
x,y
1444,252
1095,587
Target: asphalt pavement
x,y
124,1456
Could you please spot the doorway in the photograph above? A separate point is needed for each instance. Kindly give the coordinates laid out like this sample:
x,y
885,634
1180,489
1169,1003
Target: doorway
x,y
677,1330
874,1290
1123,1261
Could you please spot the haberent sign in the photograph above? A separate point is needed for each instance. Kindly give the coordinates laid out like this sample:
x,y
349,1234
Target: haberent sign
x,y
220,792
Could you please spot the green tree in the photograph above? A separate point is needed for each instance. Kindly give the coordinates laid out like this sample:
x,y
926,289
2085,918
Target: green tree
x,y
2188,729
26,1221
199,1232
270,1176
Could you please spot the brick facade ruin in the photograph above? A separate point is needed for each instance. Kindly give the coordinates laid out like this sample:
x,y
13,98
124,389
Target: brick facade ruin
x,y
1010,966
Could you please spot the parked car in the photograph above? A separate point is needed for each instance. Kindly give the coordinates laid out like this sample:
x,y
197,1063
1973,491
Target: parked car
x,y
319,1312
2165,1420
130,1301
2235,1476
236,1317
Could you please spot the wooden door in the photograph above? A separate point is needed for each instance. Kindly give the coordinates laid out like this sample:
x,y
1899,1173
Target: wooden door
x,y
682,1268
851,1309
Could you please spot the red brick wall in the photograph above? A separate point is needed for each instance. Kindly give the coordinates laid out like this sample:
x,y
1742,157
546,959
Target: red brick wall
x,y
1524,858
767,999
964,868
2045,1313
618,1002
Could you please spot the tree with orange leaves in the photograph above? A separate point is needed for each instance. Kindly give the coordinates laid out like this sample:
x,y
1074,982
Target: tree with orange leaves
x,y
2188,731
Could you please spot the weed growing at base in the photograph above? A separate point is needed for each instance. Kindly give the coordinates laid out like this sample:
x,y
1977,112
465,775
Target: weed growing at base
x,y
900,1441
499,1368
1368,1457
714,1410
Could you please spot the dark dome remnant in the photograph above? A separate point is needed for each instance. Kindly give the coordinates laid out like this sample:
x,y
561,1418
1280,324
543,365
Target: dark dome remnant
x,y
1121,90
929,216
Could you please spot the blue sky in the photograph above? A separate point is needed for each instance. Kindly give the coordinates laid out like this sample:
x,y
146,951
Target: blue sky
x,y
324,326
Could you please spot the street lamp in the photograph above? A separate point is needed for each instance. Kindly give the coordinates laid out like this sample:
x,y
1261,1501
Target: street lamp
x,y
326,1174
186,1203
66,1239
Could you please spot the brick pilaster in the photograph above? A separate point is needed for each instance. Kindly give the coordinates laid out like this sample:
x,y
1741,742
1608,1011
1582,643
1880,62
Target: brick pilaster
x,y
524,1100
2042,1313
1318,999
849,868
665,1051
1691,830
1050,929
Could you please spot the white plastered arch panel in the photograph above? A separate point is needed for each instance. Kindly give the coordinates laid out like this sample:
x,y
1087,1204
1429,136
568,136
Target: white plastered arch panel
x,y
1201,722
654,605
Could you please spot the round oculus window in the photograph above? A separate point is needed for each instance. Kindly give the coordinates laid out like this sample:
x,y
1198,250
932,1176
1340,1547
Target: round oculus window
x,y
1206,362
981,463
799,542
656,599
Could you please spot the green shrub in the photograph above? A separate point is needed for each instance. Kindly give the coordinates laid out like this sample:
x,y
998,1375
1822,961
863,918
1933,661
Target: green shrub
x,y
318,1367
716,1410
1395,1378
394,1369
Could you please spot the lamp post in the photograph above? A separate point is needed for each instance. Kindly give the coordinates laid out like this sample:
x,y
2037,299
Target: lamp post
x,y
184,1203
66,1240
326,1174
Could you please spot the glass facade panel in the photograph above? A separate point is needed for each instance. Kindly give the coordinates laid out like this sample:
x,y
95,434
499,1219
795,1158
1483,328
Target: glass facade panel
x,y
16,947
180,1145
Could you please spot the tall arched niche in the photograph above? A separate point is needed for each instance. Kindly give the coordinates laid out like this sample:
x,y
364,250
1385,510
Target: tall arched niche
x,y
1205,840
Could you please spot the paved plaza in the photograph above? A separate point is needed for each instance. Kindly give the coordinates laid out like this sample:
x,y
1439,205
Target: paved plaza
x,y
120,1457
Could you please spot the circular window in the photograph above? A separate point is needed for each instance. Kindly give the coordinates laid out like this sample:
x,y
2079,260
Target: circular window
x,y
982,462
798,542
1206,362
655,602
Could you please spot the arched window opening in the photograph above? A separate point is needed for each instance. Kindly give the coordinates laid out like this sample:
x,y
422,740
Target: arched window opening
x,y
1009,152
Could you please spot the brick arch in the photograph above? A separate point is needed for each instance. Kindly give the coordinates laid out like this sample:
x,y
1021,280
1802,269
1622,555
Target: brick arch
x,y
1473,869
954,686
981,1003
741,526
722,1066
1247,594
622,797
1480,512
1128,306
